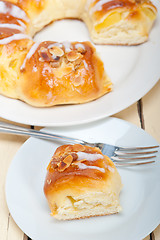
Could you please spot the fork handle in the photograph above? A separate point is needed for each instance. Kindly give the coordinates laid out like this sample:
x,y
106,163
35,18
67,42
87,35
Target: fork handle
x,y
13,129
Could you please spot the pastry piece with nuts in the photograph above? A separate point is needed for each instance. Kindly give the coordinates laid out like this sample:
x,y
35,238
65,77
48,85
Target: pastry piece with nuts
x,y
81,182
62,73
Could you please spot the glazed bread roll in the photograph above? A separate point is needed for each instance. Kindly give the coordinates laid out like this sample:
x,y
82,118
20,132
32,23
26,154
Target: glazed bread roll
x,y
66,73
81,182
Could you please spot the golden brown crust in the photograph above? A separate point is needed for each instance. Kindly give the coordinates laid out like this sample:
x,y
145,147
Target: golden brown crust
x,y
59,172
131,5
54,76
110,6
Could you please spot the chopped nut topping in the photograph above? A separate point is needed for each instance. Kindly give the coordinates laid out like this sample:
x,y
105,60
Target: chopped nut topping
x,y
69,156
44,55
42,49
77,63
62,166
49,181
73,55
80,47
68,148
55,64
54,162
68,160
56,51
75,156
81,50
78,148
78,81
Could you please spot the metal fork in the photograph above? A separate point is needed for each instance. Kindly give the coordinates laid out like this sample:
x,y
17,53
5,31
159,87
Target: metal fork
x,y
121,156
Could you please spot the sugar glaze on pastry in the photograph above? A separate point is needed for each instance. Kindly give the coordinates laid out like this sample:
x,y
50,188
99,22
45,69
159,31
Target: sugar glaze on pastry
x,y
81,182
49,73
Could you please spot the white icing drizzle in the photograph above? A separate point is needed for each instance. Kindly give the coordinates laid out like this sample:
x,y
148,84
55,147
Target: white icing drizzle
x,y
110,169
98,6
3,7
55,44
79,45
49,95
17,36
29,54
89,156
50,83
18,13
21,23
14,11
35,69
85,65
68,47
84,166
11,26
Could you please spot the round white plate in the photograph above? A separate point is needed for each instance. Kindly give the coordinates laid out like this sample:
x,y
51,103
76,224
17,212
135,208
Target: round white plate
x,y
134,70
139,198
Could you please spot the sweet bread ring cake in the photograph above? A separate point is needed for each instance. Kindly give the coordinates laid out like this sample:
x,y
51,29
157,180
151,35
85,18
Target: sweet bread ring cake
x,y
49,73
81,182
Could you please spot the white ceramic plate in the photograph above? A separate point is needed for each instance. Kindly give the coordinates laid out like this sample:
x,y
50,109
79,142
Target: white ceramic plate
x,y
133,71
139,198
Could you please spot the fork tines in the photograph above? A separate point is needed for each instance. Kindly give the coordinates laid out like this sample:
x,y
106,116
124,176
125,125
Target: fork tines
x,y
134,156
136,148
128,164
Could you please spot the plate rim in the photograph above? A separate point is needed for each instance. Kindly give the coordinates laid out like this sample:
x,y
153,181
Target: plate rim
x,y
74,123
